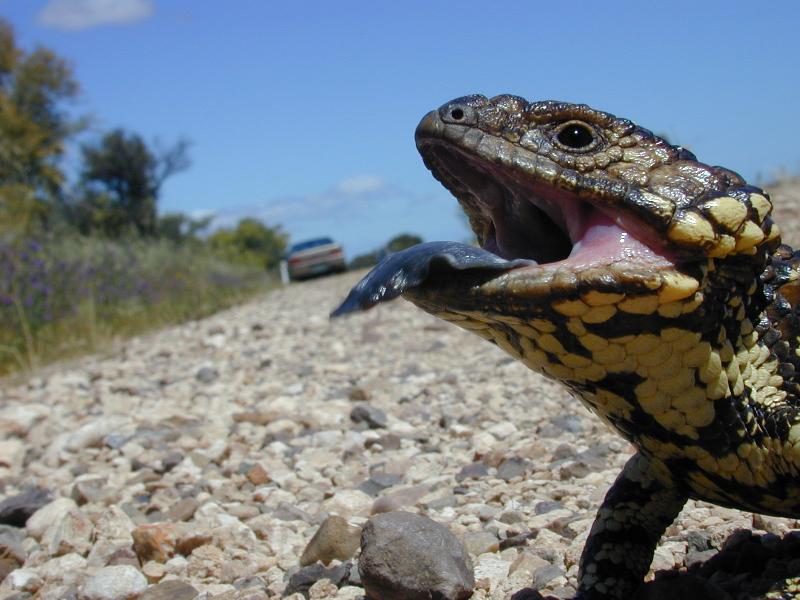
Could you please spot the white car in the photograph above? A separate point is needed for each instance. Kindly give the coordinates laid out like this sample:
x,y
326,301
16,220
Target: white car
x,y
315,257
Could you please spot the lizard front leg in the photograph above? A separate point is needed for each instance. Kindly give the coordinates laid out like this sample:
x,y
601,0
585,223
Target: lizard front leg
x,y
635,513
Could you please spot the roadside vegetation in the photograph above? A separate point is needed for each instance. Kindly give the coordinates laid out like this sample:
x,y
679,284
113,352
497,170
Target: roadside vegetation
x,y
89,257
397,243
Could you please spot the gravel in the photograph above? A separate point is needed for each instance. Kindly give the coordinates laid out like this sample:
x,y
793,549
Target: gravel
x,y
210,454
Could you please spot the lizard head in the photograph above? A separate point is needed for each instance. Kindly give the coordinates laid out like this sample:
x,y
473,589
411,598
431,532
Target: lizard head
x,y
550,181
599,242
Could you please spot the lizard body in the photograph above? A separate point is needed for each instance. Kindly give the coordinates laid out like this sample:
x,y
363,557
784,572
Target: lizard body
x,y
654,286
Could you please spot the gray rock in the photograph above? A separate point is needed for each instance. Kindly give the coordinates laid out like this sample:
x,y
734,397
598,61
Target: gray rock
x,y
546,506
182,510
398,499
170,461
89,488
116,440
122,582
568,423
410,557
513,467
206,374
289,512
475,470
390,441
11,545
698,540
695,557
545,574
511,516
379,482
302,579
372,417
173,589
16,510
335,539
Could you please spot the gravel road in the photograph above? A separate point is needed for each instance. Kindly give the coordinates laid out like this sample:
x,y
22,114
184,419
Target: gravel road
x,y
198,462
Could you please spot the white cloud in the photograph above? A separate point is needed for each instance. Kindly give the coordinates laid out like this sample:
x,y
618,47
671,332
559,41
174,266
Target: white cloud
x,y
362,212
360,184
74,15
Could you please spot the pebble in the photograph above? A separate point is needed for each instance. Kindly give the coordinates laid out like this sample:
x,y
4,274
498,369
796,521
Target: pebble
x,y
206,374
114,583
70,532
398,499
206,489
12,455
301,580
155,542
174,589
478,542
17,509
335,539
47,515
348,503
372,417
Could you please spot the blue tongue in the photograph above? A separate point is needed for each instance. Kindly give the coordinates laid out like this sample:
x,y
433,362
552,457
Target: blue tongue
x,y
410,268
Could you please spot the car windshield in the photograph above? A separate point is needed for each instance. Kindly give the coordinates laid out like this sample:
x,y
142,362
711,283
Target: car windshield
x,y
310,244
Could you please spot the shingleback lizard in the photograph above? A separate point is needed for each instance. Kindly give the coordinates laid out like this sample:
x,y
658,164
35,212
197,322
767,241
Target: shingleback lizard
x,y
655,287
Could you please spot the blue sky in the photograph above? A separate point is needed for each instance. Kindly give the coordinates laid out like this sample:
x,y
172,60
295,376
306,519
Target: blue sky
x,y
302,113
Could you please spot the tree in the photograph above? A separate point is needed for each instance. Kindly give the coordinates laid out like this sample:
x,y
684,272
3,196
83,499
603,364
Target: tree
x,y
33,128
403,241
250,242
179,228
396,244
122,179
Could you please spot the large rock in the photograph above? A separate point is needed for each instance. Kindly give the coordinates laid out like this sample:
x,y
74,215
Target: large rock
x,y
409,557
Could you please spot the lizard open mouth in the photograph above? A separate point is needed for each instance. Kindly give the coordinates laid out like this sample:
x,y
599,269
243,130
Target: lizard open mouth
x,y
518,209
544,229
532,220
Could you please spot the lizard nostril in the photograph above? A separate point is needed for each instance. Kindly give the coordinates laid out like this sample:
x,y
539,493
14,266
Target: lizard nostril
x,y
457,114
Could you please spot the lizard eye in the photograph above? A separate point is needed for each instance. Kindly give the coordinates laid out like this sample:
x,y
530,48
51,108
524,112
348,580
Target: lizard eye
x,y
575,135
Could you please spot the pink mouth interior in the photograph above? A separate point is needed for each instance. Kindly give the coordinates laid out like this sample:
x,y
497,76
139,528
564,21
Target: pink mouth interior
x,y
596,237
599,240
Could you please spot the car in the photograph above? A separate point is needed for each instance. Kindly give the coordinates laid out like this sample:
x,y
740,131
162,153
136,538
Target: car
x,y
317,256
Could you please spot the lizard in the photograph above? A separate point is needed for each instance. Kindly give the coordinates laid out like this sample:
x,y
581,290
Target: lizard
x,y
655,287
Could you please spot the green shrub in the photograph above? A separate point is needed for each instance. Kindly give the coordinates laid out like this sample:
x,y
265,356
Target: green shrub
x,y
59,297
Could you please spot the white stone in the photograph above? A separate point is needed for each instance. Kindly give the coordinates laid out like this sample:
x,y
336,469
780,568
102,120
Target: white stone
x,y
39,521
348,503
118,582
176,565
68,569
114,524
18,419
71,532
24,580
91,434
12,454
